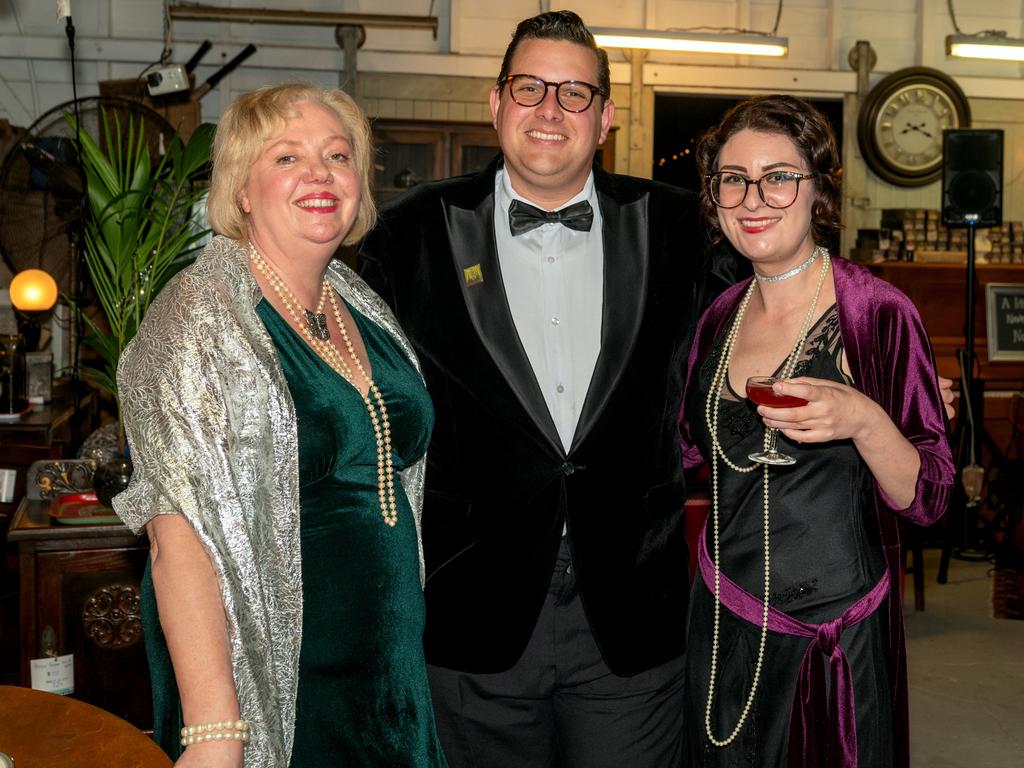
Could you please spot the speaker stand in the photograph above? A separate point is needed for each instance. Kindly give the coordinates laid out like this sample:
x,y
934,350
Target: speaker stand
x,y
963,521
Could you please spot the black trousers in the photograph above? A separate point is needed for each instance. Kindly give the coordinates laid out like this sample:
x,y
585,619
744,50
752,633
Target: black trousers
x,y
560,706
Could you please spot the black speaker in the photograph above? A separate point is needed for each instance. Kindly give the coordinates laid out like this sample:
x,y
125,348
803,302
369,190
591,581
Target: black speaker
x,y
972,178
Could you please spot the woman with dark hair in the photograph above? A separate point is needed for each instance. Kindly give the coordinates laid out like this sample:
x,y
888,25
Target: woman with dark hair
x,y
796,652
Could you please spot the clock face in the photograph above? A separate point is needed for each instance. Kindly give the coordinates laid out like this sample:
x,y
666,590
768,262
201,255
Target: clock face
x,y
908,128
901,123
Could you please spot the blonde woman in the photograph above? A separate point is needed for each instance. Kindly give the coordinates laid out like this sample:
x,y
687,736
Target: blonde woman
x,y
278,424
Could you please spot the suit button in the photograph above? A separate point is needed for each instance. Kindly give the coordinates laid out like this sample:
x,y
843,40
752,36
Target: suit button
x,y
568,468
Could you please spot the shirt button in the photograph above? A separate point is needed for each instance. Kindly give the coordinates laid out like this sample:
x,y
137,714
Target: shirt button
x,y
554,321
560,389
551,259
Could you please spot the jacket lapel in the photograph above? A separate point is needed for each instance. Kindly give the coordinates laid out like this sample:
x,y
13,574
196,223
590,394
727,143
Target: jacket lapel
x,y
626,269
470,224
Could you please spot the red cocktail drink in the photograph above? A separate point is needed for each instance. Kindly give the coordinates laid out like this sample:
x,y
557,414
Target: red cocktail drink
x,y
760,391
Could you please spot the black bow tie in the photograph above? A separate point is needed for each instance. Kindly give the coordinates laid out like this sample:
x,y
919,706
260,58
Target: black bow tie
x,y
522,217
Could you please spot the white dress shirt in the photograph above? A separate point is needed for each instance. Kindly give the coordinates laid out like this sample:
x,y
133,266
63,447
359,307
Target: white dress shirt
x,y
554,283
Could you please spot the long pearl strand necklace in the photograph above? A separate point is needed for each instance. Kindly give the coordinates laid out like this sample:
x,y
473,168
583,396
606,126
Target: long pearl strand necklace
x,y
333,357
718,382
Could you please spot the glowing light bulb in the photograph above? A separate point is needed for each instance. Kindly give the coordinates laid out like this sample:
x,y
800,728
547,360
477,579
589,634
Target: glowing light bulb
x,y
33,290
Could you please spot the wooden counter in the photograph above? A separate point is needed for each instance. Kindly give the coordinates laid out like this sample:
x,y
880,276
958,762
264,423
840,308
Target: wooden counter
x,y
939,291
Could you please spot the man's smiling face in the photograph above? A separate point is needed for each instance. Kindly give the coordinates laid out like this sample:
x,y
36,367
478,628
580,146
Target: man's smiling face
x,y
549,151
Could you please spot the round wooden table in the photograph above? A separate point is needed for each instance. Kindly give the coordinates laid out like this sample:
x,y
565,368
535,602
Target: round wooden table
x,y
43,730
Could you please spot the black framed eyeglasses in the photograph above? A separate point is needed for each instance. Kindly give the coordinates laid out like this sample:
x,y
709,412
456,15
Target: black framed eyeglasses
x,y
572,95
777,189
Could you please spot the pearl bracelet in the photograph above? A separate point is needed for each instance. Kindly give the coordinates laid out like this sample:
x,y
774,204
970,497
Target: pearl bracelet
x,y
228,730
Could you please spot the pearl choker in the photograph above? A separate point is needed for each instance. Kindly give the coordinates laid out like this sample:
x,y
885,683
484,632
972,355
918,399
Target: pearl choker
x,y
718,382
794,271
333,357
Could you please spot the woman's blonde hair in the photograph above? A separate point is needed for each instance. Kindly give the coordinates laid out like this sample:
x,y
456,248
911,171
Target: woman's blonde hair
x,y
255,117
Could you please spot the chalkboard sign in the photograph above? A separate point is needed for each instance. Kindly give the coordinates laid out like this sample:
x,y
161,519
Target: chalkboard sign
x,y
1005,305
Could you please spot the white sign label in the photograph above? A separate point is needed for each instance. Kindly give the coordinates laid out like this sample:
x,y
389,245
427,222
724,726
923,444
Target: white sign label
x,y
54,675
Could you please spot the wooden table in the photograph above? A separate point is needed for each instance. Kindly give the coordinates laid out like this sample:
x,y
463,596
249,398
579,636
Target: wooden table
x,y
43,730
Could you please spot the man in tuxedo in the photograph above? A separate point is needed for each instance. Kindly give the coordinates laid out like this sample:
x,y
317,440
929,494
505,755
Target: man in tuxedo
x,y
551,305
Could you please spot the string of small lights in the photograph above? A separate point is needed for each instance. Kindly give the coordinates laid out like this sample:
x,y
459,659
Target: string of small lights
x,y
686,152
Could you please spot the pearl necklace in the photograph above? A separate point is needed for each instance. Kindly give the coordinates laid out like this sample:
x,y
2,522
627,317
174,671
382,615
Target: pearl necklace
x,y
333,357
718,382
791,273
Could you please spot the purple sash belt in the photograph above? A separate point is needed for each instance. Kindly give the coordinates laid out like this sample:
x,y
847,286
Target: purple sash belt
x,y
822,728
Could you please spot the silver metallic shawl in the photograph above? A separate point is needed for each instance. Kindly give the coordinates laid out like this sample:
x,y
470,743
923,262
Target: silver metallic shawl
x,y
213,436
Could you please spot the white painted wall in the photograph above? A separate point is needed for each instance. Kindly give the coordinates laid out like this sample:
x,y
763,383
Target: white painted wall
x,y
118,38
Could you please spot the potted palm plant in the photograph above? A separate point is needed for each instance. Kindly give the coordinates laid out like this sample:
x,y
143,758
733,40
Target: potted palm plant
x,y
140,228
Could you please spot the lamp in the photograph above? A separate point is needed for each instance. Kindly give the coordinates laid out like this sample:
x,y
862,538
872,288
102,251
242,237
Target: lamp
x,y
989,44
992,44
736,43
33,290
33,293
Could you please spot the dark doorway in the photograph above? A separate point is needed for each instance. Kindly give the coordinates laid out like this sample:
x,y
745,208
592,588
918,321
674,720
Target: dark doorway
x,y
680,119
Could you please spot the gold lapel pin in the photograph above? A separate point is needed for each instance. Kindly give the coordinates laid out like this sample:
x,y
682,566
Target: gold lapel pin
x,y
473,275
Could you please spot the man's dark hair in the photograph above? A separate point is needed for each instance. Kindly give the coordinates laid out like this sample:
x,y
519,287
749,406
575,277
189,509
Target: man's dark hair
x,y
558,25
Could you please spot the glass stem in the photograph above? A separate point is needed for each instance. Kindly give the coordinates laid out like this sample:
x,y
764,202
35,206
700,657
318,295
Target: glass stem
x,y
772,434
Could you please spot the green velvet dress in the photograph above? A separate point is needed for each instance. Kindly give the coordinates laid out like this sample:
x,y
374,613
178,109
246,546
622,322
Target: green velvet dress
x,y
363,699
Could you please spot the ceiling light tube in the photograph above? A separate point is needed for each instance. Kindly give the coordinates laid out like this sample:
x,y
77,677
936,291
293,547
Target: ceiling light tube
x,y
985,47
739,44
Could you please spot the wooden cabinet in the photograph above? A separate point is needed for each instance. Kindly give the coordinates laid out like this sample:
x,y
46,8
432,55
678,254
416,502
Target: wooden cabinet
x,y
939,291
411,152
79,587
49,431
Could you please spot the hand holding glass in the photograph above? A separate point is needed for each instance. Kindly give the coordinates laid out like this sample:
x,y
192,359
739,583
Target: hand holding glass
x,y
759,390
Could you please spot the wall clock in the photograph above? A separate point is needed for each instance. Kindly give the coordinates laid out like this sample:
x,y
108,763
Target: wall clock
x,y
901,123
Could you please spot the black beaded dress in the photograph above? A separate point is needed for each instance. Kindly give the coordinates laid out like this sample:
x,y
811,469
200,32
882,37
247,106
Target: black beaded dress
x,y
825,555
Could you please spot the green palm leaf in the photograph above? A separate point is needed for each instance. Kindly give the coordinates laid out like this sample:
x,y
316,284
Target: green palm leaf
x,y
140,229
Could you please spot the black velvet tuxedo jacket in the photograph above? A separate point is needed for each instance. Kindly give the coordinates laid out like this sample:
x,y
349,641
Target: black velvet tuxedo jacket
x,y
499,484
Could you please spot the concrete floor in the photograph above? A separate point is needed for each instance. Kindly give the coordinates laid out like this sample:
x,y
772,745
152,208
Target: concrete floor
x,y
966,673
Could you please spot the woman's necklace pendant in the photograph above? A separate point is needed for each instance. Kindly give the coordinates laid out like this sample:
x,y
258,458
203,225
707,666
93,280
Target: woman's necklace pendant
x,y
317,322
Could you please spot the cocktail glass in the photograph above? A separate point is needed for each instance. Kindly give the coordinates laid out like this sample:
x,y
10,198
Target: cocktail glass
x,y
759,390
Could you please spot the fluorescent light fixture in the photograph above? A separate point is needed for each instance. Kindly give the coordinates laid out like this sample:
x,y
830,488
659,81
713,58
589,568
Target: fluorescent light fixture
x,y
985,47
740,43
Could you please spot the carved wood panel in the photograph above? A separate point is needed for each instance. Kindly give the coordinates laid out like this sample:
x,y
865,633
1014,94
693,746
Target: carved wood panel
x,y
90,598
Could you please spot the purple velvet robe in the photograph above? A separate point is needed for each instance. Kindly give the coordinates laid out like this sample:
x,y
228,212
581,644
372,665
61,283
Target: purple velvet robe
x,y
891,361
